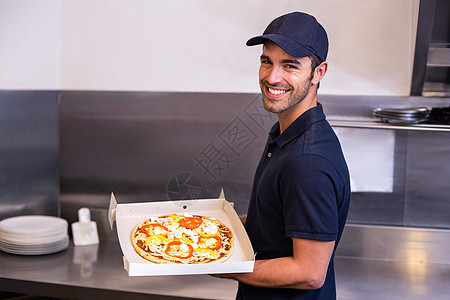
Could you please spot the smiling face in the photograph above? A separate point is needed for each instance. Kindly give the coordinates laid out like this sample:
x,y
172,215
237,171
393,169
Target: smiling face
x,y
287,84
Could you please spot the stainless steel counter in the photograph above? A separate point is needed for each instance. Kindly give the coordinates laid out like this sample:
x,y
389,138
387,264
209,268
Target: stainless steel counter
x,y
368,266
386,262
391,280
91,272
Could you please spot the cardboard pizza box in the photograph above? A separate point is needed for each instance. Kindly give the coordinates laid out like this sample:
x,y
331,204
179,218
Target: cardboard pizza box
x,y
127,216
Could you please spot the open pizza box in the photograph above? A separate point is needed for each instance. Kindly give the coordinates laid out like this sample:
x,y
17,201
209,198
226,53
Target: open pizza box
x,y
127,216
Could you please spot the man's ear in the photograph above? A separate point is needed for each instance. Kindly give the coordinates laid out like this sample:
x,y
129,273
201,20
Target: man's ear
x,y
319,72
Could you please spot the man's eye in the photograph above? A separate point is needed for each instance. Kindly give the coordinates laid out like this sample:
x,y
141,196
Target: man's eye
x,y
265,61
291,67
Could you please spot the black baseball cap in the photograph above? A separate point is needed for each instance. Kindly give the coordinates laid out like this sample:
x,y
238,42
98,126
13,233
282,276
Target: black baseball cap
x,y
297,33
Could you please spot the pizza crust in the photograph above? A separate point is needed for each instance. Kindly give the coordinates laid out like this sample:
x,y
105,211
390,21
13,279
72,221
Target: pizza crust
x,y
156,253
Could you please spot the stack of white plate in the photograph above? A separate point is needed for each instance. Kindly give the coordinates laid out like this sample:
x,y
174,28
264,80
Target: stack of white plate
x,y
413,115
33,235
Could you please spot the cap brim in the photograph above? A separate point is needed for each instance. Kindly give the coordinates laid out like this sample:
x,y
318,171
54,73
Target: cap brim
x,y
288,45
257,40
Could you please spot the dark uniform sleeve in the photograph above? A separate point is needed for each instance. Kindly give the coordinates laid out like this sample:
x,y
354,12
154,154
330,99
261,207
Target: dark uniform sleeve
x,y
309,184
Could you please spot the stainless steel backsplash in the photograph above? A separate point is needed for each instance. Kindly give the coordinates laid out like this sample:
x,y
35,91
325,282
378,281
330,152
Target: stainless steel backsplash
x,y
28,153
150,146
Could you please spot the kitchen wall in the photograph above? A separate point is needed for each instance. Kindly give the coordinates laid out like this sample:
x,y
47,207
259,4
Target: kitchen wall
x,y
145,89
195,46
28,153
30,50
150,146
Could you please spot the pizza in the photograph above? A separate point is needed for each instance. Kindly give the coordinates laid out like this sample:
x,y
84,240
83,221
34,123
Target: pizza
x,y
183,239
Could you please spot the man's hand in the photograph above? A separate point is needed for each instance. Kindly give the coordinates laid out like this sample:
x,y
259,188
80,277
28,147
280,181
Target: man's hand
x,y
243,219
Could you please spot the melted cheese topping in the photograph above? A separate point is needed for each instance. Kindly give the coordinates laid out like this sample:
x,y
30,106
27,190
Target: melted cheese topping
x,y
186,236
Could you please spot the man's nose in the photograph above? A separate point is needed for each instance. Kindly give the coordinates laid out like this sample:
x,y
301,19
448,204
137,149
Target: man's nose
x,y
275,75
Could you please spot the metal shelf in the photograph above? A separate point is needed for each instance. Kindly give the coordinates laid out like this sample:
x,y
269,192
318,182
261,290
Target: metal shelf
x,y
381,125
439,56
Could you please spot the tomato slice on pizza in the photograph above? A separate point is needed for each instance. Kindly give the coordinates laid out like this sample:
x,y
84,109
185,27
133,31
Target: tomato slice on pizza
x,y
191,222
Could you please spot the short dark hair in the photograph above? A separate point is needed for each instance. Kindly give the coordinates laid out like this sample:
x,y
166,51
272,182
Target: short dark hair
x,y
315,62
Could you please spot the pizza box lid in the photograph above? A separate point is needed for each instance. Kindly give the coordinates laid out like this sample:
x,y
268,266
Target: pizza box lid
x,y
127,216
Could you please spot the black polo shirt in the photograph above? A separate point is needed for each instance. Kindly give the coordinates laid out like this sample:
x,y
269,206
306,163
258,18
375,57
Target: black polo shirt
x,y
301,190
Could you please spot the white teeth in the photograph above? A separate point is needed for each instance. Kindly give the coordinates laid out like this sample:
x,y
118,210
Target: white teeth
x,y
276,92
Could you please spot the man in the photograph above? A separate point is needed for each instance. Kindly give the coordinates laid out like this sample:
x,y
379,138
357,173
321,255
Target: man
x,y
301,190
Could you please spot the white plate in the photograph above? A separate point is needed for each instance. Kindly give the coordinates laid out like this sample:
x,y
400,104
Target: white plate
x,y
20,239
7,244
44,249
35,234
35,224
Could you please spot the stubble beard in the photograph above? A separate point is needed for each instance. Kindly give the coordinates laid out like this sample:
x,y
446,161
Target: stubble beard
x,y
279,106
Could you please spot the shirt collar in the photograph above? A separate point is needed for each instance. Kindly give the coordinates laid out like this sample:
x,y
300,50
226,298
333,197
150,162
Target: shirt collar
x,y
309,117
